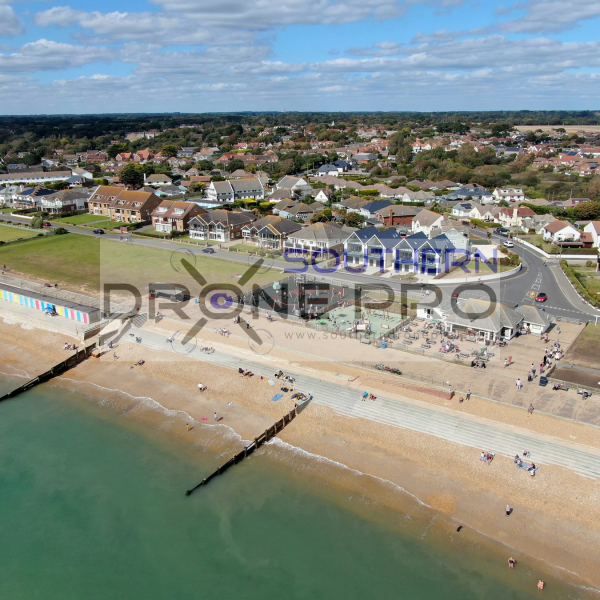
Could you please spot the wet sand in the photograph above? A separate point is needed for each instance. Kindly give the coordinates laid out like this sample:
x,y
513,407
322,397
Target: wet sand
x,y
556,514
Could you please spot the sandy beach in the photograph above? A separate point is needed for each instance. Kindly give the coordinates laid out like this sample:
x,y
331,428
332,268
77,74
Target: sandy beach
x,y
556,514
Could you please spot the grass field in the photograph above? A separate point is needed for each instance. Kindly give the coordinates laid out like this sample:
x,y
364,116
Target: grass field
x,y
588,277
79,219
8,234
82,263
583,353
567,128
477,270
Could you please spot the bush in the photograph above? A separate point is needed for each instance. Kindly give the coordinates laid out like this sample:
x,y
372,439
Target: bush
x,y
60,231
589,263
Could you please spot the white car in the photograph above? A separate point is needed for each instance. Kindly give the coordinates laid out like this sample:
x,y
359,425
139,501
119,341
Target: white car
x,y
508,244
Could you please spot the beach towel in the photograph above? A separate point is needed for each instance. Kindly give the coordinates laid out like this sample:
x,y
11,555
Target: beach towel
x,y
271,382
276,397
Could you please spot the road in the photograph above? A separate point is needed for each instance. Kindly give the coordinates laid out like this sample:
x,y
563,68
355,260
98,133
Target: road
x,y
535,276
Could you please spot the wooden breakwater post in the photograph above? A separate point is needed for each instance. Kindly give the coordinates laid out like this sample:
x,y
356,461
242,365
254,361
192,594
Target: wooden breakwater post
x,y
265,436
61,367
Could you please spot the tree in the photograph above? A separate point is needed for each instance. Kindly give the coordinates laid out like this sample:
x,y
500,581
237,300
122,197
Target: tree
x,y
324,215
197,187
37,223
404,155
31,159
235,164
132,175
205,165
115,149
354,219
169,150
504,203
501,129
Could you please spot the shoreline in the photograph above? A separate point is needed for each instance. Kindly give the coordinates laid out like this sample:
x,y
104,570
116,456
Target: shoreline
x,y
431,471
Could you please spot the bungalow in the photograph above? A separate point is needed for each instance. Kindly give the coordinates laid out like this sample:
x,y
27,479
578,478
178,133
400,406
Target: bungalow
x,y
537,222
170,191
282,205
299,211
472,319
297,185
158,179
174,215
133,207
396,215
560,232
34,178
330,170
472,192
270,232
425,221
219,225
369,210
323,196
420,196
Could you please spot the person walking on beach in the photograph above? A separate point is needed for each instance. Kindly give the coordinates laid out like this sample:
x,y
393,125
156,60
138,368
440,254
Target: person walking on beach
x,y
530,409
247,324
508,510
533,370
519,384
216,418
187,426
365,395
201,387
468,396
511,563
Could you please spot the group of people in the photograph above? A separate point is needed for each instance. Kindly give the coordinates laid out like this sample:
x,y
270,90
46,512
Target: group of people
x,y
245,373
368,396
280,375
529,467
487,457
224,332
67,346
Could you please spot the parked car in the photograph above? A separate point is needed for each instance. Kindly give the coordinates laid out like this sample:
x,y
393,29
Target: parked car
x,y
501,231
541,297
99,231
208,251
508,244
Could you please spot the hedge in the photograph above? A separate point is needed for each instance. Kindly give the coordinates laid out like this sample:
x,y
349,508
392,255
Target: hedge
x,y
591,298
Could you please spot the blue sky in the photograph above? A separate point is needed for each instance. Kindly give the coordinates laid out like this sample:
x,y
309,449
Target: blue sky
x,y
196,55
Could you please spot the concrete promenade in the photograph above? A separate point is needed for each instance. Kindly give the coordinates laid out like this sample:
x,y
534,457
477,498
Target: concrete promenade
x,y
441,422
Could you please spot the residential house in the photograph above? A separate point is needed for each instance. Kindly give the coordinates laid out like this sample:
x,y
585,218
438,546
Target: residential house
x,y
396,215
419,254
418,196
300,211
31,197
142,156
282,205
319,237
363,158
425,221
270,232
371,247
34,178
472,192
509,194
66,201
323,196
369,210
536,223
101,199
220,225
175,215
297,185
328,169
170,191
561,233
133,207
513,217
593,228
158,179
236,189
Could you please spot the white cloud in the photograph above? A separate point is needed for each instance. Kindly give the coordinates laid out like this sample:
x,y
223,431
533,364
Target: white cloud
x,y
47,55
10,23
377,49
545,16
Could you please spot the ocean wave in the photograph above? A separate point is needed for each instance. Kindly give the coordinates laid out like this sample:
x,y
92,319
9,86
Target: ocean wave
x,y
155,405
25,374
317,457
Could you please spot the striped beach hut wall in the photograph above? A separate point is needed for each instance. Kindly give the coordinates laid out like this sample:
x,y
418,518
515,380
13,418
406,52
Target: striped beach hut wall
x,y
62,311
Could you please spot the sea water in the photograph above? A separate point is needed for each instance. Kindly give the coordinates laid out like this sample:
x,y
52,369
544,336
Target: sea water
x,y
93,506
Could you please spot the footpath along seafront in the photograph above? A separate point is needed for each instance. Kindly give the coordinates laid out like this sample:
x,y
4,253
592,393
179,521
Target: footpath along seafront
x,y
556,513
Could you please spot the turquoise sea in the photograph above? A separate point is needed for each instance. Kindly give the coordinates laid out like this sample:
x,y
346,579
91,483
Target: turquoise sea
x,y
93,506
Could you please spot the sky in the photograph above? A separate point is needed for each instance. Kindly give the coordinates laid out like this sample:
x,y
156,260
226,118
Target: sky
x,y
318,55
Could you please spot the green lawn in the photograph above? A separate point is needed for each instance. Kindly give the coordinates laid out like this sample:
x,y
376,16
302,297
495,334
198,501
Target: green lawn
x,y
107,224
479,269
12,233
79,219
588,277
245,248
82,262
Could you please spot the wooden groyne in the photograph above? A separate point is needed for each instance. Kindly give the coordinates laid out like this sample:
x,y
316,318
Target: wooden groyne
x,y
250,448
61,367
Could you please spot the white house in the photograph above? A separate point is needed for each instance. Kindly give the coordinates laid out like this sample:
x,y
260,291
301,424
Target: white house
x,y
593,228
236,189
296,184
509,194
425,221
559,231
34,178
